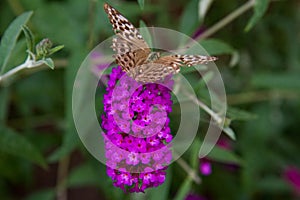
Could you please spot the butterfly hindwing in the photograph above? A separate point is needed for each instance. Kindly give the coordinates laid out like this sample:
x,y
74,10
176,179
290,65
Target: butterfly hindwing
x,y
151,72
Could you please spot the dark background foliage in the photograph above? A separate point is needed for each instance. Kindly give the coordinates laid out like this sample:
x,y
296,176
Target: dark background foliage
x,y
41,156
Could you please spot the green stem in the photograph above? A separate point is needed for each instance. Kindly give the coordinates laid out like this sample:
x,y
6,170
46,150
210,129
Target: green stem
x,y
138,196
257,96
226,20
28,64
202,105
192,174
92,12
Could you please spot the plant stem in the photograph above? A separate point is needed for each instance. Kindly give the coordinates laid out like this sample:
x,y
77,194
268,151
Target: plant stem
x,y
257,96
189,170
202,105
226,20
26,65
62,173
92,13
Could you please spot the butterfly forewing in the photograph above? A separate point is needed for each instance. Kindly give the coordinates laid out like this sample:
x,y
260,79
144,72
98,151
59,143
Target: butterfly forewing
x,y
177,61
129,45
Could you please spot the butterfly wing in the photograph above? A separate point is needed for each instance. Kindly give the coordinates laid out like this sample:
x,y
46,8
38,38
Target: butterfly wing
x,y
151,72
129,45
176,61
166,65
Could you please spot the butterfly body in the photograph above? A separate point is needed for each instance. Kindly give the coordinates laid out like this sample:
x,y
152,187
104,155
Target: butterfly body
x,y
135,56
153,56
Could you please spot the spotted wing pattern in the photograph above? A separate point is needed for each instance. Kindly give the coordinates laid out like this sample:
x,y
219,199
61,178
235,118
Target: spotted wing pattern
x,y
133,53
163,66
177,61
151,72
129,45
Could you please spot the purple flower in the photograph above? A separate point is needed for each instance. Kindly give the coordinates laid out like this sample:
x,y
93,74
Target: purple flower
x,y
292,176
194,197
205,164
198,32
132,159
205,167
136,131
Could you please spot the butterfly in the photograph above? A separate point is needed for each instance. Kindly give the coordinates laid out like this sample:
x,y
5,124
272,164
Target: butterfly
x,y
135,56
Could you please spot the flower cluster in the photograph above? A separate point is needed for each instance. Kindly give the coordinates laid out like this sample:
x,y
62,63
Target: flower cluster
x,y
137,134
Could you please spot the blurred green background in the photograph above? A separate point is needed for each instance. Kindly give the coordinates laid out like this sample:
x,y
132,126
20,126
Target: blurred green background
x,y
41,156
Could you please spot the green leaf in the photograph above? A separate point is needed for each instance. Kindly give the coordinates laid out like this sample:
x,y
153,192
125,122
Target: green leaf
x,y
162,191
93,174
186,70
10,37
45,194
65,21
70,138
235,57
49,62
55,49
184,189
70,142
203,7
17,145
238,114
83,175
141,4
145,33
189,19
29,38
194,161
229,132
260,7
4,94
277,81
201,84
273,184
216,47
224,156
